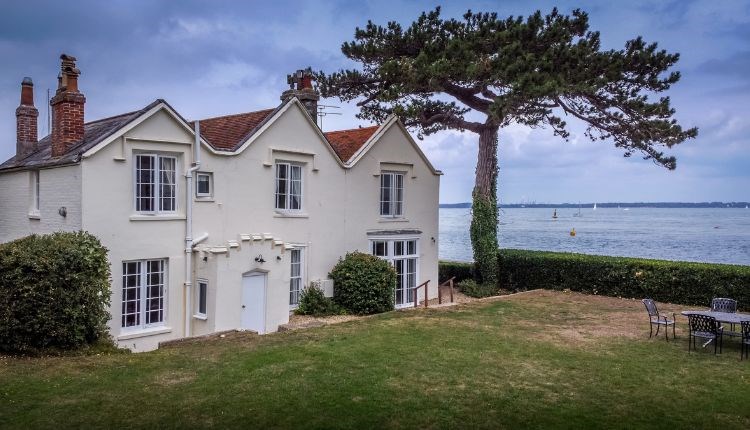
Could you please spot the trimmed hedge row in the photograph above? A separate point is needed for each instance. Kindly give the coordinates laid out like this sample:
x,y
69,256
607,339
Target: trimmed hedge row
x,y
667,281
457,269
54,292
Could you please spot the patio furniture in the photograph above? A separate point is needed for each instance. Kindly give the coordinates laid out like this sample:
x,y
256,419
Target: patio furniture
x,y
655,318
704,327
745,330
722,317
723,304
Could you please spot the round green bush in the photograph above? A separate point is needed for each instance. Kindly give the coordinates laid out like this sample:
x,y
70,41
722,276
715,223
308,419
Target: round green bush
x,y
364,284
54,292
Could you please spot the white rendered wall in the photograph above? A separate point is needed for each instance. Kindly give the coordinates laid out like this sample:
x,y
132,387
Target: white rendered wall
x,y
243,203
58,187
109,213
340,206
393,152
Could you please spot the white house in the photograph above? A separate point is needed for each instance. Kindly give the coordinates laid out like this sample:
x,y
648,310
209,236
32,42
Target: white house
x,y
222,230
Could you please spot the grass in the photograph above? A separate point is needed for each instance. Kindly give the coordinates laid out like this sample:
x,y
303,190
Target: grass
x,y
541,360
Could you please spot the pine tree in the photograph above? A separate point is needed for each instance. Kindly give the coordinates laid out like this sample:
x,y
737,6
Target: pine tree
x,y
531,71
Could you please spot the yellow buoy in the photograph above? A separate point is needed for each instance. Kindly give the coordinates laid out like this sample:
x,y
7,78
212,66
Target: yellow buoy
x,y
573,232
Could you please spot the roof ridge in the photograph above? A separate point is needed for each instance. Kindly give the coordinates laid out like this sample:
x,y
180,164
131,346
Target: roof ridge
x,y
113,117
352,129
234,114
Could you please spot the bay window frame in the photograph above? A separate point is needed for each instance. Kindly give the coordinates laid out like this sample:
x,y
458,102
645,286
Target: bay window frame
x,y
391,257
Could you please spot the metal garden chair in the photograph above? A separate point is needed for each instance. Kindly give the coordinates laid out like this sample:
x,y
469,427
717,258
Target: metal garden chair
x,y
658,320
705,327
723,304
745,330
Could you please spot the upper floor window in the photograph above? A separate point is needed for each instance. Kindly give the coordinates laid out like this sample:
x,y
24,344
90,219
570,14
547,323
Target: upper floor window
x,y
155,183
204,184
288,195
143,293
391,194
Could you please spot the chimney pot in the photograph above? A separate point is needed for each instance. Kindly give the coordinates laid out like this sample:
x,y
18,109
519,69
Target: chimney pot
x,y
300,83
27,92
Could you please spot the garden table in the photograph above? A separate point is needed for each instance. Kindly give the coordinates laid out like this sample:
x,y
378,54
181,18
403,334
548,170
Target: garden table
x,y
722,317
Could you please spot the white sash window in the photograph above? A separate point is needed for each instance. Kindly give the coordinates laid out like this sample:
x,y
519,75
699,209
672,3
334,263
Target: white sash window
x,y
295,279
391,194
155,183
143,293
288,196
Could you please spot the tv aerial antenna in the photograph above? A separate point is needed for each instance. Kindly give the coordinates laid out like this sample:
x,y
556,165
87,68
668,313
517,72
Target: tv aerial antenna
x,y
322,111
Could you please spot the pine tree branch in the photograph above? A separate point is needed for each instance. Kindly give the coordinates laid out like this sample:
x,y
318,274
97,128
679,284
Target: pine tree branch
x,y
466,96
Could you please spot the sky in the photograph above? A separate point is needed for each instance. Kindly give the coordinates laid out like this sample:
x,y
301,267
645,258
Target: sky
x,y
210,58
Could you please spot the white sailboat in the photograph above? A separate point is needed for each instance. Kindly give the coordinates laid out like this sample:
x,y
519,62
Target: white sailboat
x,y
594,206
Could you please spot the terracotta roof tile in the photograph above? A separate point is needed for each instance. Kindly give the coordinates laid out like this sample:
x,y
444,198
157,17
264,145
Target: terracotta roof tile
x,y
347,142
227,132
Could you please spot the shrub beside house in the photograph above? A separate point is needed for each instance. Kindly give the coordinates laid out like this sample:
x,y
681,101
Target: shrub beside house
x,y
54,292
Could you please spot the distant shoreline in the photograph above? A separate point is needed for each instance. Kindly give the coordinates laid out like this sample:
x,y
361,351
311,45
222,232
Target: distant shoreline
x,y
674,205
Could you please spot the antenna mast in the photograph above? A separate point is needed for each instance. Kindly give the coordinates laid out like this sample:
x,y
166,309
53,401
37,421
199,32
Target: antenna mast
x,y
49,117
322,112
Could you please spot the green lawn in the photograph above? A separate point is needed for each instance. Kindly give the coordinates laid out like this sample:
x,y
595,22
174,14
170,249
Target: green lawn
x,y
539,360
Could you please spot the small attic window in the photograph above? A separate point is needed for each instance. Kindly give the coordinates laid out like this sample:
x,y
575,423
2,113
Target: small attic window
x,y
204,184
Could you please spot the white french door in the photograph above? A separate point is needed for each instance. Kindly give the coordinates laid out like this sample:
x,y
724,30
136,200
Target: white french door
x,y
403,254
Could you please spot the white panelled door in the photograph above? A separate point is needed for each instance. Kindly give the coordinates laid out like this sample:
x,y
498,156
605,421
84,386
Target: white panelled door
x,y
254,302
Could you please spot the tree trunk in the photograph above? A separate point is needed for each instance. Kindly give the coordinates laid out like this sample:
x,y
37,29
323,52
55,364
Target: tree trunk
x,y
484,208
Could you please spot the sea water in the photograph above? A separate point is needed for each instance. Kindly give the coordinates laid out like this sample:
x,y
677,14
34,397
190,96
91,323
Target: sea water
x,y
715,235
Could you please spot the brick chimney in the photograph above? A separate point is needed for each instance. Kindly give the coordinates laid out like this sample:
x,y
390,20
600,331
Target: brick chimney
x,y
26,121
300,86
67,108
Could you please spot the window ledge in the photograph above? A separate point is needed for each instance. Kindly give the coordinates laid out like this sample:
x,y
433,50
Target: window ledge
x,y
204,199
145,332
200,317
393,220
290,215
141,217
35,215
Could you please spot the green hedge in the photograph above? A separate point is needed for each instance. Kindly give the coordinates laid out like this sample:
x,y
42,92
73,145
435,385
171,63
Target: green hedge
x,y
457,269
54,292
668,281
